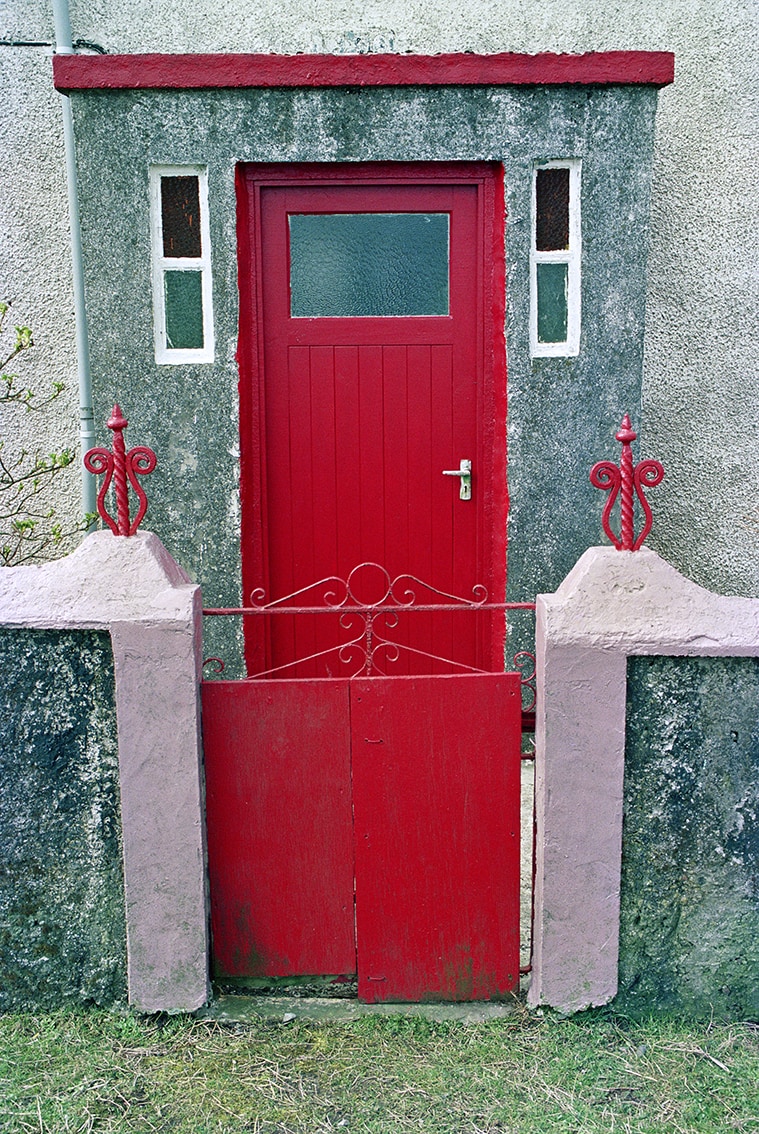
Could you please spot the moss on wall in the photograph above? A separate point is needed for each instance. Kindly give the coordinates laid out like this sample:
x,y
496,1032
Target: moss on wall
x,y
563,412
62,928
690,858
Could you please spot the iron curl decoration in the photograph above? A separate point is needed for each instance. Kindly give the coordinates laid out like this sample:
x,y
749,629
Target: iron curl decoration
x,y
329,599
408,595
368,601
216,665
398,593
123,468
526,666
626,480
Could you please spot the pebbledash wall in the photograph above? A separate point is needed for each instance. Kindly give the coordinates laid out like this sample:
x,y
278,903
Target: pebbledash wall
x,y
563,411
689,933
62,928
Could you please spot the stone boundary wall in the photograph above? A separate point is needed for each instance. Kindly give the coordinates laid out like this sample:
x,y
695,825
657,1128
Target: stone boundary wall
x,y
62,929
612,606
133,589
689,908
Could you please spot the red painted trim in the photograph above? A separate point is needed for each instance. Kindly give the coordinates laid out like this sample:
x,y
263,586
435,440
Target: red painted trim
x,y
195,72
495,298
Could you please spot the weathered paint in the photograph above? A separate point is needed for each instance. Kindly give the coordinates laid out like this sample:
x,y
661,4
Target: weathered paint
x,y
401,791
614,604
107,579
435,769
689,928
132,587
62,924
561,410
280,828
162,813
192,72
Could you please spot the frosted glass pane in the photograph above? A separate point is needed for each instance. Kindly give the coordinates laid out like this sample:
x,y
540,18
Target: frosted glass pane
x,y
552,302
354,264
184,310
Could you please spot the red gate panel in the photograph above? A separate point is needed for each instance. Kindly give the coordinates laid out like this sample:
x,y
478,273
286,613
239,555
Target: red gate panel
x,y
278,806
436,811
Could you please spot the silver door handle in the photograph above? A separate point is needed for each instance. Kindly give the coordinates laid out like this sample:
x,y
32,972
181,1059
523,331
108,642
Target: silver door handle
x,y
465,472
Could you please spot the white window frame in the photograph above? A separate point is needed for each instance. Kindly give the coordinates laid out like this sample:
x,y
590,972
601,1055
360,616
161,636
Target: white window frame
x,y
571,256
164,354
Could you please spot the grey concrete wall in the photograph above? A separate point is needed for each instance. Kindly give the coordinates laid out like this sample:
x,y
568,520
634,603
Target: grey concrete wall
x,y
689,928
700,391
35,265
62,923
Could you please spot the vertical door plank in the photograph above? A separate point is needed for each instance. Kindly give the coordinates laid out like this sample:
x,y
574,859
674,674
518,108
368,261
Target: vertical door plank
x,y
304,454
347,432
423,480
327,471
278,807
396,521
371,454
436,813
445,504
396,458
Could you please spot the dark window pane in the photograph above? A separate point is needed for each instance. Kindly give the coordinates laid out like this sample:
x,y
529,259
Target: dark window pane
x,y
184,310
180,216
359,264
552,227
553,280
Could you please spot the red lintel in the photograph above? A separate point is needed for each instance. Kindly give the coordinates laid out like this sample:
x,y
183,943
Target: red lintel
x,y
197,72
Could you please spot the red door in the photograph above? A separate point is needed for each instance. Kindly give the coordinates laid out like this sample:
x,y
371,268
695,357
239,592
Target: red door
x,y
372,360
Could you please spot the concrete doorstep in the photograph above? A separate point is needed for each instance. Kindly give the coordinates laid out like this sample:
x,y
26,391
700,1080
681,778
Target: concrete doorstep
x,y
285,1009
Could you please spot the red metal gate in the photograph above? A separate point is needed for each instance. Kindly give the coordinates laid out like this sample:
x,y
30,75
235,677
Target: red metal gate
x,y
366,826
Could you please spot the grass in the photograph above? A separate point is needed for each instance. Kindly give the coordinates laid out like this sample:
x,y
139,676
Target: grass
x,y
109,1071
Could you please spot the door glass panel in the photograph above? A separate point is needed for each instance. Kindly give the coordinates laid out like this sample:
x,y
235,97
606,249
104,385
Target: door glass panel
x,y
368,264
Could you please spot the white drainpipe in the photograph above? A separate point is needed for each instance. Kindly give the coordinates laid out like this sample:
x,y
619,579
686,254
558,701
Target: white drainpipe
x,y
64,46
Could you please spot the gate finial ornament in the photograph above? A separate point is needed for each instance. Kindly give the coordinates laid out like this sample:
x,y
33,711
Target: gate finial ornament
x,y
629,479
121,466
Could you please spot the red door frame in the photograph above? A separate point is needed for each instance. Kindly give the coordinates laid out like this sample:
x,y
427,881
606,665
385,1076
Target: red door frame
x,y
488,177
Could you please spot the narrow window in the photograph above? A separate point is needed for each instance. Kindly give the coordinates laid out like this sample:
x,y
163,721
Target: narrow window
x,y
555,259
182,302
